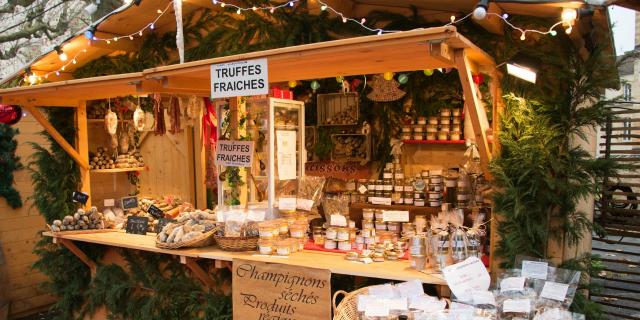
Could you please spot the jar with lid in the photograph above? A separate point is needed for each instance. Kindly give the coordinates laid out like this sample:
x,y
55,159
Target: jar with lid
x,y
398,175
379,188
318,236
298,230
418,184
331,233
387,173
342,234
419,202
367,214
283,247
265,246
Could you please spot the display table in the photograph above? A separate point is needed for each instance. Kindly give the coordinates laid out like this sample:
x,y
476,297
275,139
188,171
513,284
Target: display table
x,y
335,262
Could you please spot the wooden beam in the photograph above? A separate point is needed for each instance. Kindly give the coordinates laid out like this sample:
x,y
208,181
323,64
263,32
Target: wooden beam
x,y
498,109
82,141
477,113
40,101
491,22
186,83
200,164
198,272
57,136
78,253
441,52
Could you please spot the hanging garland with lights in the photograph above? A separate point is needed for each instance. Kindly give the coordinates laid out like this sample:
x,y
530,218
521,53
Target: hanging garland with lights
x,y
568,18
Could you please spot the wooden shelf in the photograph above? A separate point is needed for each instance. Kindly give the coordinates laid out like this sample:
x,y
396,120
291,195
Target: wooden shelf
x,y
116,170
457,142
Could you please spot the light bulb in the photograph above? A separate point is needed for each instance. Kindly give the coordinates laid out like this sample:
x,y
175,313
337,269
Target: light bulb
x,y
479,13
453,19
115,39
63,67
74,61
523,37
291,3
46,76
152,26
140,33
272,10
32,79
344,19
379,32
130,37
363,20
254,8
568,31
553,33
159,11
62,56
84,50
505,16
222,4
108,42
57,73
323,7
239,11
569,15
215,1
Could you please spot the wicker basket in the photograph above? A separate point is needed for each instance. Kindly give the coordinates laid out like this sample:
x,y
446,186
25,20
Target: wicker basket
x,y
348,308
237,243
204,240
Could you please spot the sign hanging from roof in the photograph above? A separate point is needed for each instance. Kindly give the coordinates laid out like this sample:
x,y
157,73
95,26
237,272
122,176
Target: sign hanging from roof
x,y
239,78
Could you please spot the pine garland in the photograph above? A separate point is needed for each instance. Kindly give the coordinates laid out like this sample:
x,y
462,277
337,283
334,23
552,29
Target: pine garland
x,y
9,163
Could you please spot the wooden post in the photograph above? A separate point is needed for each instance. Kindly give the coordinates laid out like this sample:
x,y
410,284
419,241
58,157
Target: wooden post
x,y
82,142
200,161
57,136
198,272
475,109
81,255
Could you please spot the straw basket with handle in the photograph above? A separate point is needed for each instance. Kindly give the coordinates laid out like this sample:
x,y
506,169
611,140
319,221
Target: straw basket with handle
x,y
237,243
348,307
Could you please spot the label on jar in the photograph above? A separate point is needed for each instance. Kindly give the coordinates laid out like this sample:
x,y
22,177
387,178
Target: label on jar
x,y
399,176
408,200
304,204
415,250
516,305
398,188
408,188
362,189
379,187
387,175
371,186
395,216
450,183
297,234
419,203
400,201
388,187
283,251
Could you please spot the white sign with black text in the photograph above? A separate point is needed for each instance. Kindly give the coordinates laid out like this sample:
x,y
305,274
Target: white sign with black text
x,y
239,78
234,153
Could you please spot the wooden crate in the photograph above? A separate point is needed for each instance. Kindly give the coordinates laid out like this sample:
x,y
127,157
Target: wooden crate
x,y
343,140
338,109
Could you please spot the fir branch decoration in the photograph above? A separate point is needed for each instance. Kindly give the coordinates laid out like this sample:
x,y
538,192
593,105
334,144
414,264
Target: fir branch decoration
x,y
9,163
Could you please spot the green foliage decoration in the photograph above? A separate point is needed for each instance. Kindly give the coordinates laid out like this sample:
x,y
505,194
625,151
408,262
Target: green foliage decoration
x,y
9,163
590,266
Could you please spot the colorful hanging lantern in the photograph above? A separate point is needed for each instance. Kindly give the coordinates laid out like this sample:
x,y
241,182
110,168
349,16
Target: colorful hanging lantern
x,y
428,72
403,78
293,84
388,76
478,78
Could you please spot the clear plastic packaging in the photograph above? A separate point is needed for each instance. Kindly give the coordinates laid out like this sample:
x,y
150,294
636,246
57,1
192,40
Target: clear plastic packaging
x,y
518,305
309,192
558,290
338,206
459,242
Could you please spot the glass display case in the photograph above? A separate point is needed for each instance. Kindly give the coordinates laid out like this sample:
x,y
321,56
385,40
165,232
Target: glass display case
x,y
276,126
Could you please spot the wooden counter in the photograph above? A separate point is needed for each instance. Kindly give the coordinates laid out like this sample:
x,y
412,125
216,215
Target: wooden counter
x,y
335,262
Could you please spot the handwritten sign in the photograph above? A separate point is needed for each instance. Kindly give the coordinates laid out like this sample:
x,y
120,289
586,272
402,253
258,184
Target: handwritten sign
x,y
155,212
234,153
264,291
240,78
137,225
339,170
467,276
80,197
129,203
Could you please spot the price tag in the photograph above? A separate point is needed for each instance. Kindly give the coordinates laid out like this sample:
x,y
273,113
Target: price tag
x,y
535,269
80,197
338,220
367,260
381,201
555,291
255,215
410,288
512,284
517,305
363,189
305,204
137,225
287,203
155,212
129,203
109,202
162,223
395,216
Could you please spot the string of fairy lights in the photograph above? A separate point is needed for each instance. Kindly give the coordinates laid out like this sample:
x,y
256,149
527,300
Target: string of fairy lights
x,y
568,18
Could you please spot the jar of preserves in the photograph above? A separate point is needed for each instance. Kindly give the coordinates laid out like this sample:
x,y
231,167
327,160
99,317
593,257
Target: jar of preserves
x,y
342,234
283,247
331,233
265,246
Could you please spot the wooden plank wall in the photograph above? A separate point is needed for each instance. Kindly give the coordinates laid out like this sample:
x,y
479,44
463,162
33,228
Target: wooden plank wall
x,y
18,234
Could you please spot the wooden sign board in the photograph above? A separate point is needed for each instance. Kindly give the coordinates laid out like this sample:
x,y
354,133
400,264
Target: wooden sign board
x,y
162,222
338,170
155,212
263,290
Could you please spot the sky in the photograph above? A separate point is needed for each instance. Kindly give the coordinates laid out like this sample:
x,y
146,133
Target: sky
x,y
623,21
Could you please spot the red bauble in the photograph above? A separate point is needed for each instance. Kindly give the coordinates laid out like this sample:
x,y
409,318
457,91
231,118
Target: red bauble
x,y
478,79
10,114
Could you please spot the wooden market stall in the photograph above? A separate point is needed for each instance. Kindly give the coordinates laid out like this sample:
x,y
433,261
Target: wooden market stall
x,y
420,49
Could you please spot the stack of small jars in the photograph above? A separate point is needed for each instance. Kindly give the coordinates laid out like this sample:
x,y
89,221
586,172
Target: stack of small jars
x,y
446,126
283,236
340,238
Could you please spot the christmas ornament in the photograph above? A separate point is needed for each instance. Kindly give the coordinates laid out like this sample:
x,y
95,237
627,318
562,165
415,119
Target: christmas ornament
x,y
111,121
428,72
10,114
339,79
293,84
478,79
315,85
388,75
403,78
345,86
355,84
138,117
384,90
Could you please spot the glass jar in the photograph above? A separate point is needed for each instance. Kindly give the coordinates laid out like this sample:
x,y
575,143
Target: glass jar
x,y
420,221
330,244
419,202
342,234
344,245
379,215
265,246
351,185
433,120
367,224
381,225
385,236
377,257
367,214
283,247
393,227
456,112
408,198
283,225
331,233
431,136
408,186
298,230
392,255
293,244
318,236
266,230
418,184
443,135
422,120
352,256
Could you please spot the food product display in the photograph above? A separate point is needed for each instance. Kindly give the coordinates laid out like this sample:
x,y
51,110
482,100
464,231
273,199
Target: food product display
x,y
171,207
349,147
189,226
102,159
81,220
447,126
